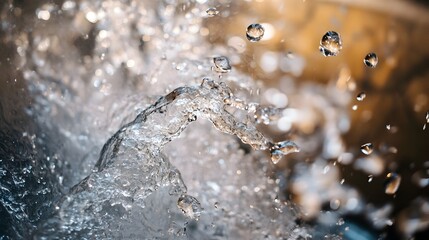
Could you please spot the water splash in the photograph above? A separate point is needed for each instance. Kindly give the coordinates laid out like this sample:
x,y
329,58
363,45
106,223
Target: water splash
x,y
132,172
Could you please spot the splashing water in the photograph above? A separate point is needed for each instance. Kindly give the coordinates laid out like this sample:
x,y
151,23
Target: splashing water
x,y
330,44
122,184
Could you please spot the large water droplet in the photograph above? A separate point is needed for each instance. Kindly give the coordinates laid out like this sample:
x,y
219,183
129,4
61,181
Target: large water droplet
x,y
281,149
331,44
361,96
367,148
190,206
255,32
392,183
222,64
371,60
211,12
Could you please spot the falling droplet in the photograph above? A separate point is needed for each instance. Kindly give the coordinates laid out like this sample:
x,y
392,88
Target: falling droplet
x,y
211,12
388,126
361,96
371,60
392,183
330,44
367,148
192,117
281,149
255,32
222,64
190,206
216,205
370,177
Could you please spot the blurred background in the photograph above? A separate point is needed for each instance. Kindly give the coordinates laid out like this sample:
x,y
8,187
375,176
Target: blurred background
x,y
334,184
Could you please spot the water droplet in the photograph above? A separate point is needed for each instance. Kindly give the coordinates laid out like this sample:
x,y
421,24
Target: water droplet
x,y
190,206
354,107
216,205
392,183
388,126
211,12
334,204
330,44
281,149
370,178
427,117
361,96
255,32
371,60
222,64
367,148
192,117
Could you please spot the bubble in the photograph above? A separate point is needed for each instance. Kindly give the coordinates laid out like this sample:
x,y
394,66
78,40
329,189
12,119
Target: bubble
x,y
330,44
255,32
367,148
211,12
392,183
281,149
371,60
190,206
361,96
222,64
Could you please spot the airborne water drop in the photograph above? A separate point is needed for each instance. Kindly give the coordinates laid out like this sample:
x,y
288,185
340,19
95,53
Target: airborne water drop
x,y
222,64
190,206
367,148
330,44
255,32
392,183
361,96
371,60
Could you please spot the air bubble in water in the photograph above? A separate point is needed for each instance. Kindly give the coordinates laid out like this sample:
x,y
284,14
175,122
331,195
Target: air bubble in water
x,y
330,44
367,148
361,96
255,32
392,183
211,12
371,60
222,64
190,206
281,149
